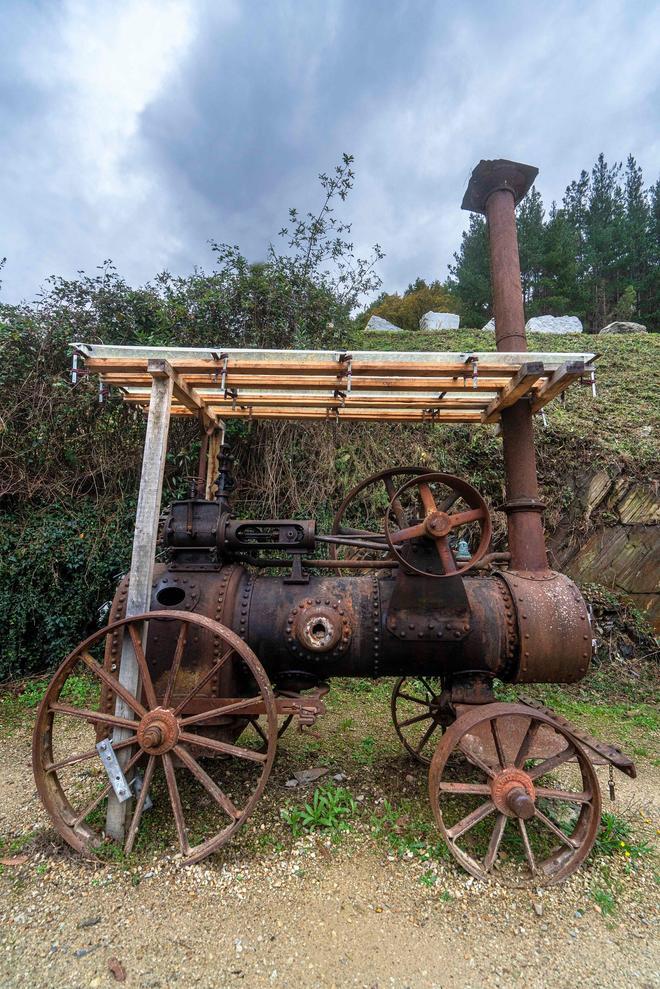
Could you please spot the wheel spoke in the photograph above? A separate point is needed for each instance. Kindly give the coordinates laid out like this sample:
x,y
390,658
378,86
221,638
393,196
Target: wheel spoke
x,y
397,507
285,724
218,795
259,730
224,747
461,518
583,797
555,830
410,532
175,800
529,854
98,717
429,688
413,700
494,843
450,500
549,764
475,760
52,767
205,679
469,822
426,736
182,638
105,791
526,744
147,682
499,748
413,721
428,501
446,556
217,711
460,789
139,807
112,683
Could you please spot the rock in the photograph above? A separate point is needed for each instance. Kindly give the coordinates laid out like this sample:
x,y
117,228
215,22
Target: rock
x,y
377,324
89,922
340,777
538,908
291,783
620,326
490,326
439,321
305,776
553,324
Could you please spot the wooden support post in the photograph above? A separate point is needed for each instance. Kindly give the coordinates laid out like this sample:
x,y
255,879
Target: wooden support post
x,y
216,440
142,564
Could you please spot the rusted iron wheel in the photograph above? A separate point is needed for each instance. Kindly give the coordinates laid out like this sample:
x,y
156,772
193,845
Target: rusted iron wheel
x,y
384,485
416,715
506,753
172,726
438,523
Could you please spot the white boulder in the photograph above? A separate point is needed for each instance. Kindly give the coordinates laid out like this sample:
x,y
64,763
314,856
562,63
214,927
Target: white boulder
x,y
379,325
553,324
621,326
439,321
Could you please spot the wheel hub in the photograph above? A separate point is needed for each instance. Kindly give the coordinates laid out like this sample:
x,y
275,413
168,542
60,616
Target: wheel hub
x,y
513,793
158,731
437,524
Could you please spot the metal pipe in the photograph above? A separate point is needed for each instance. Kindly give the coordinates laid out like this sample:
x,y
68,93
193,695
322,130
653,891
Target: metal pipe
x,y
495,188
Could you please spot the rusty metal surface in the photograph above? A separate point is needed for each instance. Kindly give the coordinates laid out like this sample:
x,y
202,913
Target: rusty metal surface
x,y
553,627
600,753
510,790
495,188
438,523
490,175
159,734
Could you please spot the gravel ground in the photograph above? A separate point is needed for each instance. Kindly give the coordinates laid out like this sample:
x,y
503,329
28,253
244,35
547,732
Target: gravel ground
x,y
314,913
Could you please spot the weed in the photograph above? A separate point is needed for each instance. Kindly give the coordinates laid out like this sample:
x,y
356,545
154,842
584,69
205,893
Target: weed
x,y
604,900
365,752
407,833
428,879
616,837
330,809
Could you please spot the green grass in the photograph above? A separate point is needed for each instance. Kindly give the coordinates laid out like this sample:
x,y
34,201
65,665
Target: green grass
x,y
329,811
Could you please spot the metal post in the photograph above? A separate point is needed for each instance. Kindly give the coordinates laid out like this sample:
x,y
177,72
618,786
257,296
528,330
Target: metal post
x,y
142,566
495,189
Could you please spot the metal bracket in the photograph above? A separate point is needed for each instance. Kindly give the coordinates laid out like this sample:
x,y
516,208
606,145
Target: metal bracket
x,y
113,769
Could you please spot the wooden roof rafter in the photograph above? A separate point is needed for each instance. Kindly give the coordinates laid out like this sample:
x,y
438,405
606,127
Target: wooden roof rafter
x,y
363,386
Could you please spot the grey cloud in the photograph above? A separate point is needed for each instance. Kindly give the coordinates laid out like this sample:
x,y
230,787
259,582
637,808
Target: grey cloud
x,y
236,119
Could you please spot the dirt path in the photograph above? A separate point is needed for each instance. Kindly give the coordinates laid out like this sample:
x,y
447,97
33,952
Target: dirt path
x,y
313,914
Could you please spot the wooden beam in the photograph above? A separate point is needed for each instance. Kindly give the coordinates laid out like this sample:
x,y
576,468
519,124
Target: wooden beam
x,y
519,385
183,394
138,599
359,368
558,381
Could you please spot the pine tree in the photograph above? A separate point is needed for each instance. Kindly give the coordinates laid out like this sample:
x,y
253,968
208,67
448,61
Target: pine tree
x,y
531,247
470,274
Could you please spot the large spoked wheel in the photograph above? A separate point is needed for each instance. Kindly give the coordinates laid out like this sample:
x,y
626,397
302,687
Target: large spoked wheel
x,y
515,795
171,738
438,493
415,709
357,525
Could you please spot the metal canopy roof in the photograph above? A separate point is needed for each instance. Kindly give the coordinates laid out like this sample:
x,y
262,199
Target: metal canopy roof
x,y
393,386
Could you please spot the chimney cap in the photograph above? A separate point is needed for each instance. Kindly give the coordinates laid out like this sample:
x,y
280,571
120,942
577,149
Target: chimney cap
x,y
499,173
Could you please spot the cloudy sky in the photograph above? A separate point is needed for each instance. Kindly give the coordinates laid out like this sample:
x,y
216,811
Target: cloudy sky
x,y
138,129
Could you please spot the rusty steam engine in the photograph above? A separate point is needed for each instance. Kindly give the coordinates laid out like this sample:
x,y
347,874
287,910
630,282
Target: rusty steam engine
x,y
222,645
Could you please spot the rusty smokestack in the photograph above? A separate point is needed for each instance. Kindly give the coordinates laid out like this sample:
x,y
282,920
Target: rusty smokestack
x,y
495,189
